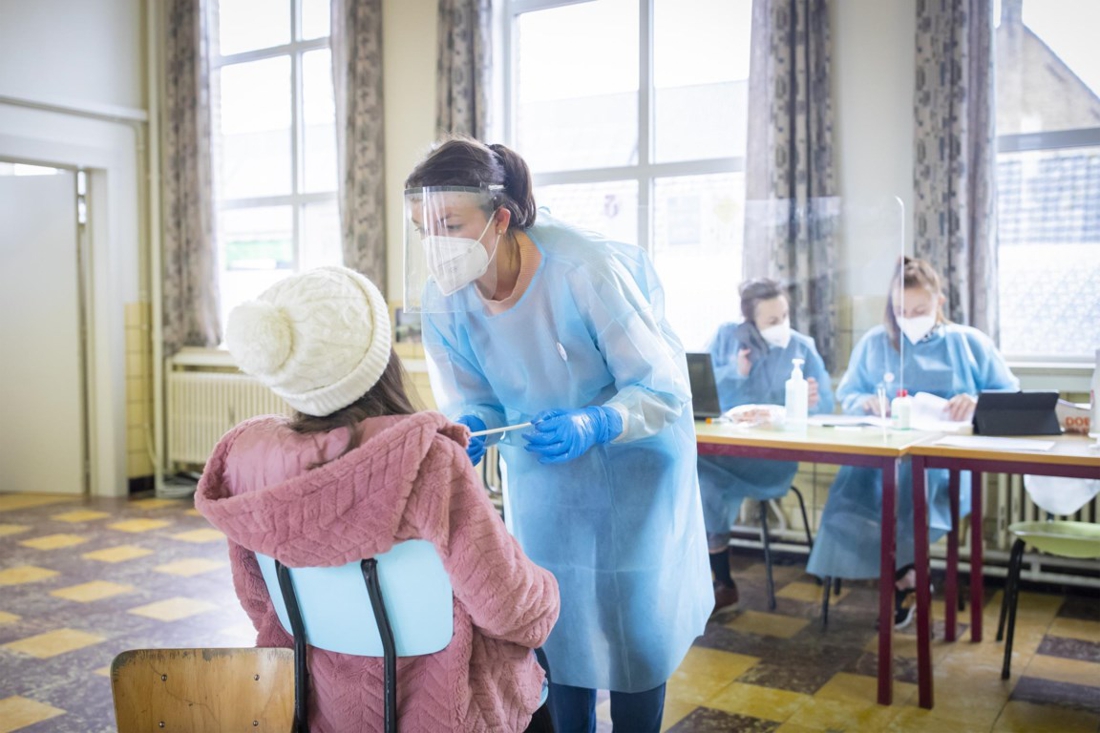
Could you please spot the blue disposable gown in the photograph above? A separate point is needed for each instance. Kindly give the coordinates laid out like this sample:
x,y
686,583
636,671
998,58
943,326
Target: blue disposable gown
x,y
951,360
725,481
621,526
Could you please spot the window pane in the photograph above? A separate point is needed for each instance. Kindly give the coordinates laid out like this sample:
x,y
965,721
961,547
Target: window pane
x,y
257,248
1048,71
610,208
577,86
252,122
320,236
315,19
698,224
319,117
700,62
245,25
1049,231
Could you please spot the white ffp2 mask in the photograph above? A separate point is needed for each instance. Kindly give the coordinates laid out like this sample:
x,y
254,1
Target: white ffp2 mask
x,y
778,335
457,261
916,328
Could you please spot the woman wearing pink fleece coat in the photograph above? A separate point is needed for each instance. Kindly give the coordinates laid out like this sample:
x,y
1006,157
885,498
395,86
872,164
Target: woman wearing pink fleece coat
x,y
310,497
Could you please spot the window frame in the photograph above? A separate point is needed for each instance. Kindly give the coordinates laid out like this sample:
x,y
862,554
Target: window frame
x,y
646,171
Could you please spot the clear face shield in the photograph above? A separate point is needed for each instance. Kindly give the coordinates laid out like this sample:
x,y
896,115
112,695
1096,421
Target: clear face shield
x,y
451,243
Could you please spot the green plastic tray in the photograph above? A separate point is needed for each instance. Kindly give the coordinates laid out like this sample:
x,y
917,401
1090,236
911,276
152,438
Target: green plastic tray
x,y
1062,538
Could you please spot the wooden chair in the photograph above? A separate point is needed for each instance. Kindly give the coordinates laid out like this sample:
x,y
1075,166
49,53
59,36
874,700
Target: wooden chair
x,y
203,690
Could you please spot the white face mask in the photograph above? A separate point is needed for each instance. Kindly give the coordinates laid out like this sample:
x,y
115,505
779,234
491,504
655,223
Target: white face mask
x,y
916,328
457,261
778,335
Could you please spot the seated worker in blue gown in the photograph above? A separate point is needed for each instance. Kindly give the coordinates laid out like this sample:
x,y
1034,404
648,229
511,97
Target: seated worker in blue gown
x,y
752,362
945,359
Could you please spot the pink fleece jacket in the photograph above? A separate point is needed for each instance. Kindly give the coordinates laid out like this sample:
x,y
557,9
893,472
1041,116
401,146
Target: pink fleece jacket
x,y
410,478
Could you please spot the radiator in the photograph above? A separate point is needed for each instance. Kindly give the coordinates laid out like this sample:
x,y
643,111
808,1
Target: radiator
x,y
204,401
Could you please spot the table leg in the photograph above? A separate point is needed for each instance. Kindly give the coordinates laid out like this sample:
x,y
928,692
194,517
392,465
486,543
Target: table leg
x,y
924,595
976,582
887,561
951,582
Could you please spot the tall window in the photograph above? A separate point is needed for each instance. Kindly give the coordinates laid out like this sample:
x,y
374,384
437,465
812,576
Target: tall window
x,y
632,116
1048,177
274,142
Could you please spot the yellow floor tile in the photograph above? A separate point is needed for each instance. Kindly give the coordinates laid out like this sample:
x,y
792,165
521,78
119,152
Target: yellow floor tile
x,y
1075,628
675,711
54,642
54,541
8,618
173,609
139,525
905,645
916,720
189,567
93,591
822,714
117,553
80,515
808,592
193,513
19,712
24,574
860,688
1074,671
13,502
200,535
157,503
794,728
1027,717
766,703
10,529
767,624
103,671
705,672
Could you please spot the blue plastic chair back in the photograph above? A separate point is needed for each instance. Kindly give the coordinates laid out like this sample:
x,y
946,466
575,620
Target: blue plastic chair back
x,y
336,608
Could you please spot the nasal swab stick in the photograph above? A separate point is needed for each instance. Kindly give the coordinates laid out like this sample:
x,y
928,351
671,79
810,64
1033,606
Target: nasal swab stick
x,y
505,429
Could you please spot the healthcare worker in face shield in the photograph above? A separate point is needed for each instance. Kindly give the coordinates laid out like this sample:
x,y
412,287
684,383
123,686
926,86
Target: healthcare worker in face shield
x,y
939,357
528,319
752,361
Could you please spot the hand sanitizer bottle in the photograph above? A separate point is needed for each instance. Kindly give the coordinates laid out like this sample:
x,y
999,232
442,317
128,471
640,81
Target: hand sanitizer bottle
x,y
797,402
1094,411
901,410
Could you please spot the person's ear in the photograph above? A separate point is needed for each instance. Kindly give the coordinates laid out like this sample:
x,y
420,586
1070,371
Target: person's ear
x,y
501,219
941,300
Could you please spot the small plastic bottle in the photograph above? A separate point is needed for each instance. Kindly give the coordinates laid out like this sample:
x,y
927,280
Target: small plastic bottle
x,y
1094,397
797,398
901,411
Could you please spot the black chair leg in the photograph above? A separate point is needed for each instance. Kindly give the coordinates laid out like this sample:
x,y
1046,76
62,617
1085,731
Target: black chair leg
x,y
765,536
369,568
1015,561
826,586
805,517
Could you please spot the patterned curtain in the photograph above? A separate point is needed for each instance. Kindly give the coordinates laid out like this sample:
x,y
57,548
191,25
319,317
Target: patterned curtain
x,y
463,74
357,80
954,175
791,208
190,272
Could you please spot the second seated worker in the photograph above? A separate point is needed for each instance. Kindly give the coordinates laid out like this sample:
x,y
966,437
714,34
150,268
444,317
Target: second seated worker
x,y
530,320
923,352
353,472
752,361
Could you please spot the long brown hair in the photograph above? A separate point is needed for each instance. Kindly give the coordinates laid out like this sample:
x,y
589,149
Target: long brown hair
x,y
387,397
463,161
912,273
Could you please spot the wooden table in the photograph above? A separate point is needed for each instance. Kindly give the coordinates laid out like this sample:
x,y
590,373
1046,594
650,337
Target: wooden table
x,y
872,447
1070,457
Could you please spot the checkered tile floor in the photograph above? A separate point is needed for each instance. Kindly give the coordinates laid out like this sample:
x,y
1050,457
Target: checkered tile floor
x,y
81,581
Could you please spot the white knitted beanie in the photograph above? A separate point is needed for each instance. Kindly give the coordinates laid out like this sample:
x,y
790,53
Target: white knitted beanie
x,y
320,340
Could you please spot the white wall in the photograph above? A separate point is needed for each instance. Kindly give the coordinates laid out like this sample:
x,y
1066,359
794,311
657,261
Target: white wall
x,y
408,63
873,78
72,94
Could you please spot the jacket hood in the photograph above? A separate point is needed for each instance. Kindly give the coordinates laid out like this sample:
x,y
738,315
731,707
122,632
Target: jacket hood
x,y
362,494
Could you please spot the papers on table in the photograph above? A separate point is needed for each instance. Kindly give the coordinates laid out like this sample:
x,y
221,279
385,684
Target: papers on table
x,y
930,413
988,442
848,421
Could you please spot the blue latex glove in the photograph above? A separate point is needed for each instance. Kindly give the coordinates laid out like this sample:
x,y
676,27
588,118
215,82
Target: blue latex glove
x,y
475,449
562,435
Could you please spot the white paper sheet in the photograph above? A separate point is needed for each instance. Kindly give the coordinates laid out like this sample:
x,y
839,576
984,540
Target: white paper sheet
x,y
930,413
989,442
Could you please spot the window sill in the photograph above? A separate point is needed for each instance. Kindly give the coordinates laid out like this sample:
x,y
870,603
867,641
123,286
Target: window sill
x,y
1065,377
